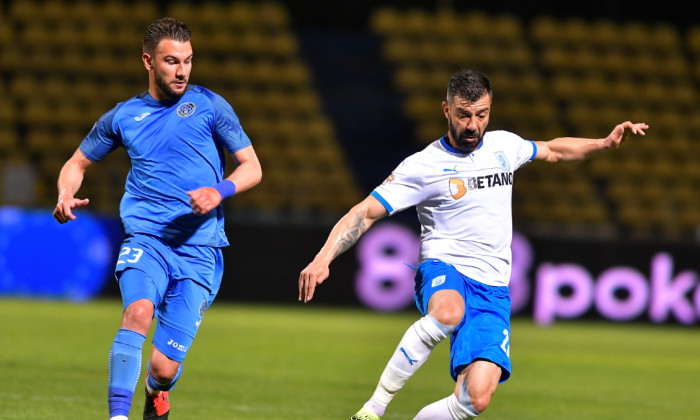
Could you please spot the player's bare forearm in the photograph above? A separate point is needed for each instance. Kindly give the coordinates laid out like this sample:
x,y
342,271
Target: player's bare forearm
x,y
350,227
69,181
246,175
569,149
248,172
71,176
343,236
351,234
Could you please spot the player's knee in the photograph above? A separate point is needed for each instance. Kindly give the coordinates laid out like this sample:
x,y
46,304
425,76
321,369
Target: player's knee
x,y
138,316
162,370
480,400
449,313
447,307
478,397
475,396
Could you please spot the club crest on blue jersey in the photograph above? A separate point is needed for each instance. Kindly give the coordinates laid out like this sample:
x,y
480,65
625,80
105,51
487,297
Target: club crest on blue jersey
x,y
502,161
202,308
186,109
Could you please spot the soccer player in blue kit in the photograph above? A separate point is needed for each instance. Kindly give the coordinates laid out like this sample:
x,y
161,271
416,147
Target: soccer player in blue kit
x,y
461,186
170,264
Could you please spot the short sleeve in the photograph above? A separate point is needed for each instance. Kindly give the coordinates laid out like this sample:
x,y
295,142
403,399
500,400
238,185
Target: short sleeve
x,y
227,127
524,150
404,188
102,139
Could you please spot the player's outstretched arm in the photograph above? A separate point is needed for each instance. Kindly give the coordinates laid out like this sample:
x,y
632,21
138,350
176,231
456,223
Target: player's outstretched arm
x,y
247,174
570,149
69,181
343,236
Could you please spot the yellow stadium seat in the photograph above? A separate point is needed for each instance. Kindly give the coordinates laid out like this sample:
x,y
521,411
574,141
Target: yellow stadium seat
x,y
415,22
398,50
575,31
241,15
545,30
604,34
7,31
185,11
272,15
25,11
664,37
385,20
8,137
476,24
446,23
693,40
283,44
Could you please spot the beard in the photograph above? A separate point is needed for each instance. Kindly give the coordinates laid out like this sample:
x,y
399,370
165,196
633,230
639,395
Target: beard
x,y
465,141
166,89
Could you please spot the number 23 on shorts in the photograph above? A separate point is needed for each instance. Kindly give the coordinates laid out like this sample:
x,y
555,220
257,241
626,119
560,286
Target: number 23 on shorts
x,y
129,255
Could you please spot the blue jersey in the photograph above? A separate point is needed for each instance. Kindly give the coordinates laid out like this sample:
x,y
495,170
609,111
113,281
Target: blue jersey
x,y
175,147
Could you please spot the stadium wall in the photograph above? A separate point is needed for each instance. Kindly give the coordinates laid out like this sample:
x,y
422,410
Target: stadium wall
x,y
552,278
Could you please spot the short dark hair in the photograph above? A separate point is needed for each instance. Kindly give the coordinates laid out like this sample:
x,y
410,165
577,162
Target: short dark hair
x,y
468,84
164,28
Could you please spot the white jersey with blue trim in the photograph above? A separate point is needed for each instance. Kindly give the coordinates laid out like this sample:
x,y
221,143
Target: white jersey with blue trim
x,y
463,201
175,147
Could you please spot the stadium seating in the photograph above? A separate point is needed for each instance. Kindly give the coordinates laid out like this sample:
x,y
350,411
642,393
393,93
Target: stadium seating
x,y
568,77
65,62
604,73
249,54
426,48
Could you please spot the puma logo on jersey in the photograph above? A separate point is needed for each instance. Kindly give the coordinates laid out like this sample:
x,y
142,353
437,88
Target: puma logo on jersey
x,y
144,115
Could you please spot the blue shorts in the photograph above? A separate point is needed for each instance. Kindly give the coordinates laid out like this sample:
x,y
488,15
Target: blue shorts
x,y
181,282
484,333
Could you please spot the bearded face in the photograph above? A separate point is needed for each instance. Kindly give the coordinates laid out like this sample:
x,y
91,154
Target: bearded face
x,y
467,121
169,66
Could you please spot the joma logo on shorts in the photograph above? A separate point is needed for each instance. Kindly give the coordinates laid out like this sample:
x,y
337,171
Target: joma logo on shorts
x,y
174,344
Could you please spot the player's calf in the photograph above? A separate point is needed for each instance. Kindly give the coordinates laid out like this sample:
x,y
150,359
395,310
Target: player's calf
x,y
413,350
124,370
454,407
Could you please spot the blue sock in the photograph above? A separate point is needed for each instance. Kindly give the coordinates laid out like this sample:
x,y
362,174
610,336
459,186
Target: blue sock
x,y
124,370
157,386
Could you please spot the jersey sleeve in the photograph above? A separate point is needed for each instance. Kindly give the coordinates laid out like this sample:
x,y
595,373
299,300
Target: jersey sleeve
x,y
525,150
404,188
102,139
227,127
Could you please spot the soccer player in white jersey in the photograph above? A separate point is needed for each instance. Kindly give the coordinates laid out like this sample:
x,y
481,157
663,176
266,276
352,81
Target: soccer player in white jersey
x,y
461,186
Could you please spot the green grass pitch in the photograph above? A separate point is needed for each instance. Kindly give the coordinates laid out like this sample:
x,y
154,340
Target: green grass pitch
x,y
313,362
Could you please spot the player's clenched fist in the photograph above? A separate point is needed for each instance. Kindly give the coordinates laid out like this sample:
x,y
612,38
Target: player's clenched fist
x,y
204,199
